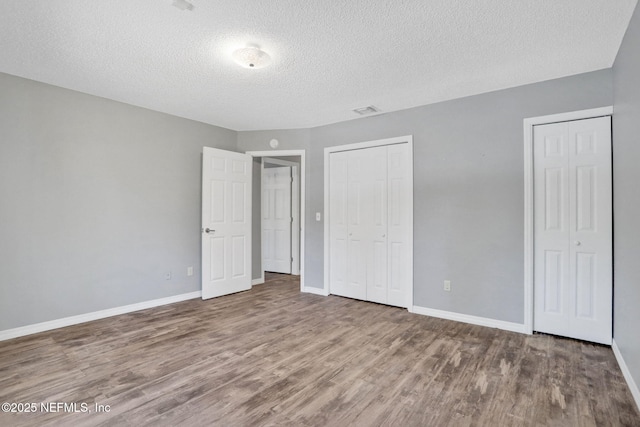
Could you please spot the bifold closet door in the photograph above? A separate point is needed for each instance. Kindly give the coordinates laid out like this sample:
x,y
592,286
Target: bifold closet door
x,y
376,218
348,226
399,225
369,253
573,276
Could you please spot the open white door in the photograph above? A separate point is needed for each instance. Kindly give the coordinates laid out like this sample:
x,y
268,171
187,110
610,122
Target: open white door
x,y
226,222
276,219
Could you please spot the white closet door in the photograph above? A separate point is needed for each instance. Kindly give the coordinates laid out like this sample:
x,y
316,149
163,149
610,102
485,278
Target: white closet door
x,y
338,223
400,208
572,229
276,219
359,205
370,211
376,217
590,241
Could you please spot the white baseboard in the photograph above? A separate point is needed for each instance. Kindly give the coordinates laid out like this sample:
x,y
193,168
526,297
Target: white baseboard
x,y
465,318
258,281
316,291
95,315
635,392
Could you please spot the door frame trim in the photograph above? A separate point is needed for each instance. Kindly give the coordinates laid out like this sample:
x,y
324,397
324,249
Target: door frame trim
x,y
407,139
285,153
528,124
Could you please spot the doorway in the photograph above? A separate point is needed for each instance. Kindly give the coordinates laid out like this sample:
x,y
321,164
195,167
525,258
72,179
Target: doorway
x,y
295,160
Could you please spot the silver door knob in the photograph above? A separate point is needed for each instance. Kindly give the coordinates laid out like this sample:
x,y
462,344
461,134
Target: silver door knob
x,y
208,230
577,242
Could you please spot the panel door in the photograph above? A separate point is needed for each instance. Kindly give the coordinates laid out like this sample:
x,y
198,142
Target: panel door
x,y
399,225
370,250
358,207
276,219
338,228
590,239
226,222
551,228
376,219
572,229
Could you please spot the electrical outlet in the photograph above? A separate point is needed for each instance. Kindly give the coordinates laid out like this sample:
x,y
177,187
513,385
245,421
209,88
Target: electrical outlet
x,y
167,275
447,285
189,271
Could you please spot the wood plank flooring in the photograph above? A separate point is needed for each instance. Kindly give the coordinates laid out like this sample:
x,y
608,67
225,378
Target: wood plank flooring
x,y
273,356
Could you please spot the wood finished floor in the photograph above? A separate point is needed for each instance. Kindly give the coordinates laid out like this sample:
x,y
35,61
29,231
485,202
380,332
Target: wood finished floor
x,y
274,356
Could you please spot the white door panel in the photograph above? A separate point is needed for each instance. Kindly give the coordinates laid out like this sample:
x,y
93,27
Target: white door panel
x,y
377,280
591,233
276,219
338,224
573,229
551,175
226,222
400,206
369,211
358,207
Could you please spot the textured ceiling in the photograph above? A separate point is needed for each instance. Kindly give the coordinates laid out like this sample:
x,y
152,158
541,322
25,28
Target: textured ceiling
x,y
329,57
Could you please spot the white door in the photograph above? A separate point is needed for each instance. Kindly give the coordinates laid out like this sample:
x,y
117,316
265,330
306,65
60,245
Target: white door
x,y
573,276
276,219
338,229
376,218
347,229
359,205
370,250
226,222
399,225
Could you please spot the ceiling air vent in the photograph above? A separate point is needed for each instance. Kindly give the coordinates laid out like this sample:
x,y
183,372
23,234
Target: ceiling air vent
x,y
366,110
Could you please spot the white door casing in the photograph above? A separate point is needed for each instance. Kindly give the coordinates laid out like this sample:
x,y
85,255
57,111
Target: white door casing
x,y
573,229
276,219
226,222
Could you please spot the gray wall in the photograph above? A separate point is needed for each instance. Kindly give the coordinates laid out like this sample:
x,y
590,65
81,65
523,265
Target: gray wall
x,y
626,197
468,189
99,200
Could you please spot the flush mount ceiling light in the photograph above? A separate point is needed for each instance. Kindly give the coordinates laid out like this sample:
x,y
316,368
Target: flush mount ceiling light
x,y
182,4
251,57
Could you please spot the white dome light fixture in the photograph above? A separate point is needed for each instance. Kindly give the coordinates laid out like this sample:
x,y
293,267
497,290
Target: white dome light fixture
x,y
251,57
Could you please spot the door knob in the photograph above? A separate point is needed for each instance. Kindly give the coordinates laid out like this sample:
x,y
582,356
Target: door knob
x,y
208,230
577,242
